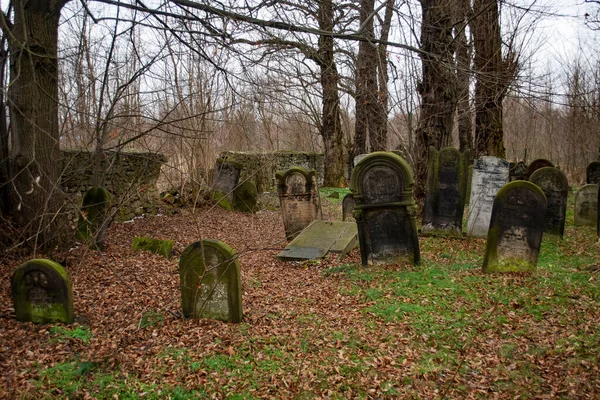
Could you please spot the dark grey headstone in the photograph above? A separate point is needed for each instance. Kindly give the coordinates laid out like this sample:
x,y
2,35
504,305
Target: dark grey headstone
x,y
518,172
348,204
586,205
226,177
592,173
555,186
537,164
516,228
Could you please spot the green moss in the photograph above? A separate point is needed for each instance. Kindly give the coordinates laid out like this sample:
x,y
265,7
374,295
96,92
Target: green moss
x,y
222,200
161,247
245,197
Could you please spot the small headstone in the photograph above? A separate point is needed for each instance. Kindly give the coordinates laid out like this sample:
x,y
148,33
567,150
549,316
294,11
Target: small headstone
x,y
518,172
385,210
226,176
245,197
516,228
555,186
161,247
586,205
490,174
299,199
348,207
210,282
94,217
445,192
592,173
537,164
41,292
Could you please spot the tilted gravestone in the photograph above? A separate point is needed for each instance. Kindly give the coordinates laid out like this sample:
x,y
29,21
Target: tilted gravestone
x,y
41,292
299,199
517,172
555,186
490,174
537,164
592,173
445,192
348,204
226,177
245,197
385,210
586,205
94,217
209,275
516,228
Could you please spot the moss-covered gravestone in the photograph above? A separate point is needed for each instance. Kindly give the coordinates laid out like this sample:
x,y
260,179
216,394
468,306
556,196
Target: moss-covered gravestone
x,y
592,173
226,177
445,192
210,282
537,164
94,217
41,292
245,197
586,205
385,210
299,199
161,247
516,228
555,186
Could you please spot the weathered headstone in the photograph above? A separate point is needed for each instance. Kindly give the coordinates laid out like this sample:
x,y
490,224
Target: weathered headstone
x,y
161,247
490,174
299,199
516,228
586,205
41,292
209,275
555,186
517,172
226,176
385,211
320,238
592,173
245,197
94,217
348,204
537,164
445,192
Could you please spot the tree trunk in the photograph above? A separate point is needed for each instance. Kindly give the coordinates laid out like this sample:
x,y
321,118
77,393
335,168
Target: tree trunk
x,y
463,74
33,96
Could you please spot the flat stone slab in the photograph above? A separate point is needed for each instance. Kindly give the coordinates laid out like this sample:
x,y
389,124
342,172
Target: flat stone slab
x,y
319,238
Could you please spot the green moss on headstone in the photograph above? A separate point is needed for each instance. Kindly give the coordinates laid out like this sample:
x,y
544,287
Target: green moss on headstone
x,y
161,247
245,197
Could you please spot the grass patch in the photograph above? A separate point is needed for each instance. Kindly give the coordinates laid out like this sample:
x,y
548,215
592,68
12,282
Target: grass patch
x,y
63,333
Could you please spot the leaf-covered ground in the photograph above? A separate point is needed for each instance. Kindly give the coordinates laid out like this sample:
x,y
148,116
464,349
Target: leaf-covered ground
x,y
327,329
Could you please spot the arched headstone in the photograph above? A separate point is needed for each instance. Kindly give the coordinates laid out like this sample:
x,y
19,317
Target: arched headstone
x,y
299,199
516,228
537,164
94,219
209,275
555,186
586,205
592,173
41,292
385,210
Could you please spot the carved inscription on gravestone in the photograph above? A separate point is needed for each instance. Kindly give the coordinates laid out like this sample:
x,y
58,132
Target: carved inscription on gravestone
x,y
592,173
586,205
555,186
516,228
490,174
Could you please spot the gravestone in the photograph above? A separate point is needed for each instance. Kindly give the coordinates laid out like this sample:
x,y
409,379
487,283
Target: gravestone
x,y
516,228
555,186
209,275
517,172
94,217
320,238
299,199
468,188
161,247
348,204
245,197
226,176
41,292
385,210
445,192
537,164
586,205
490,174
592,173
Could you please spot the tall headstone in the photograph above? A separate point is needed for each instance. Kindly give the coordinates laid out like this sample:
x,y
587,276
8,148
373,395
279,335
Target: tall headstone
x,y
385,210
299,199
226,176
592,173
555,186
516,228
445,192
209,276
348,204
94,217
586,205
537,164
41,292
517,172
490,174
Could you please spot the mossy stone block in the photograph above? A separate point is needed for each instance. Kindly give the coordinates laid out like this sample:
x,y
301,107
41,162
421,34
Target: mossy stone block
x,y
245,197
161,247
41,292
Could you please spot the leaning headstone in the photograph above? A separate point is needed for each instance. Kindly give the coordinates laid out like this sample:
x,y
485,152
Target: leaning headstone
x,y
537,164
161,247
555,186
226,176
592,173
209,275
445,192
586,205
490,174
94,217
299,199
385,210
245,197
516,228
41,292
348,204
517,172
